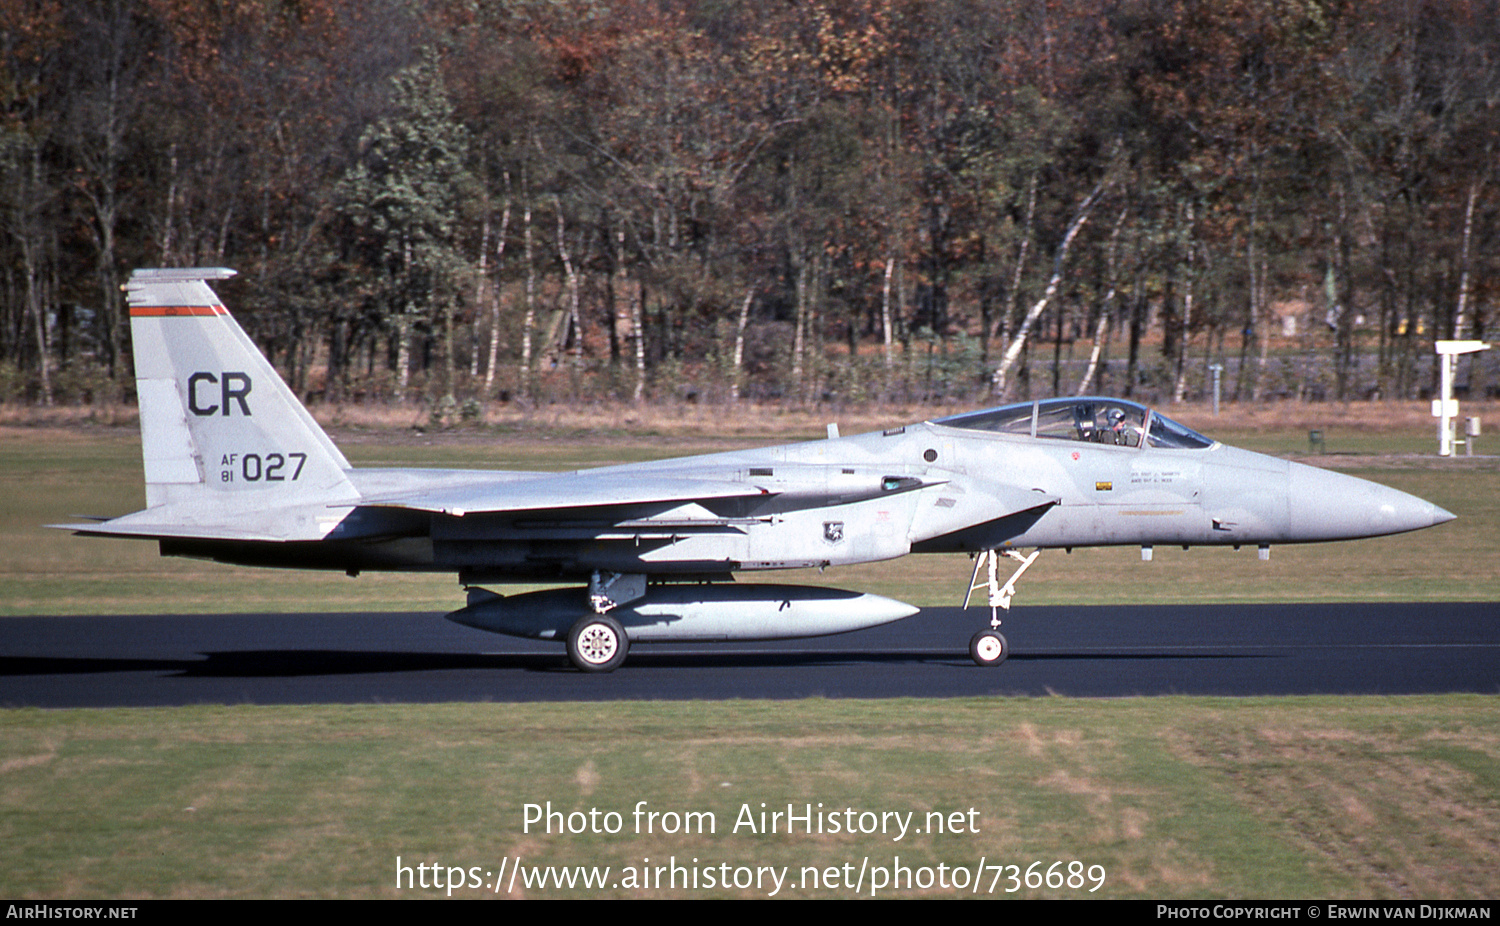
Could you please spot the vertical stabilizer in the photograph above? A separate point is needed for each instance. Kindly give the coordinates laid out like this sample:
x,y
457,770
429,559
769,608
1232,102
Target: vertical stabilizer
x,y
220,431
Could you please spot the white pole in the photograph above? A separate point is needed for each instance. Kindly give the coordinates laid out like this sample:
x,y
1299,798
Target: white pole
x,y
1445,407
1445,422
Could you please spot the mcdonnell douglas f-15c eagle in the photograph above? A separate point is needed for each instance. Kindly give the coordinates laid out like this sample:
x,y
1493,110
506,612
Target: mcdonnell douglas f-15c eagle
x,y
238,471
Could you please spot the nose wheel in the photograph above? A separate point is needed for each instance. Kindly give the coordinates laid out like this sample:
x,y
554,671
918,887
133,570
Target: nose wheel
x,y
989,648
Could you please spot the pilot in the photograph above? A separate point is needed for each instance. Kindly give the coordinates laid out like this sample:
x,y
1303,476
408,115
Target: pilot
x,y
1124,433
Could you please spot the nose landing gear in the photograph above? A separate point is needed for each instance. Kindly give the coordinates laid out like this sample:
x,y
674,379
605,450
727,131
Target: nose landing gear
x,y
989,647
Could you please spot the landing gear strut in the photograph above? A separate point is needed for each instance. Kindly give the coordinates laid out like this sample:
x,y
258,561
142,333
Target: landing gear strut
x,y
989,647
597,642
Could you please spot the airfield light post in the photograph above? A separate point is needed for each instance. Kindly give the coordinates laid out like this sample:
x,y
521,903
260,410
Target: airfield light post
x,y
1445,407
1218,371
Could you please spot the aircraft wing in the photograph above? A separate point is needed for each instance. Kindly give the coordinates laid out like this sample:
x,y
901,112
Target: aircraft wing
x,y
568,491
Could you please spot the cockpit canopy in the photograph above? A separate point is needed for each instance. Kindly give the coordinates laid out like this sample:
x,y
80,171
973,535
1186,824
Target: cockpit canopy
x,y
1090,420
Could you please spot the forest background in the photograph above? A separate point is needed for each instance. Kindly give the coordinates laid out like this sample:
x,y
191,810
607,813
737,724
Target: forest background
x,y
454,202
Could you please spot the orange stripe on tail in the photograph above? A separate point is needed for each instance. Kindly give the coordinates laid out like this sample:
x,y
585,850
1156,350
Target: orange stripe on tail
x,y
165,311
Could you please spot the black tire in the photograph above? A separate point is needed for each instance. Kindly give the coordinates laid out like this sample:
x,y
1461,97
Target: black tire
x,y
597,643
989,648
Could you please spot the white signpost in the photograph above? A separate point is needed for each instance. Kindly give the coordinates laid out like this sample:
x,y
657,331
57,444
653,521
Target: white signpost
x,y
1445,407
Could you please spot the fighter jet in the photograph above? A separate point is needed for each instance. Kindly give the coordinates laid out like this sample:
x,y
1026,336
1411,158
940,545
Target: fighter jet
x,y
238,471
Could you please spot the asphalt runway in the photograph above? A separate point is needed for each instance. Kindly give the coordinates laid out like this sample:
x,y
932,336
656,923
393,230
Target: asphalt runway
x,y
1237,650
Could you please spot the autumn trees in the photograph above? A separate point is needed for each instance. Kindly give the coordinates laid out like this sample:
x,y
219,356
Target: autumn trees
x,y
455,203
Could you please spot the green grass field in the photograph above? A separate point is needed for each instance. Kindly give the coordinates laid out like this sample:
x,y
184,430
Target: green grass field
x,y
1169,797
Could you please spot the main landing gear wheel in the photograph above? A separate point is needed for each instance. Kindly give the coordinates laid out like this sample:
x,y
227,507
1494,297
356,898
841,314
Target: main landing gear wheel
x,y
597,643
989,647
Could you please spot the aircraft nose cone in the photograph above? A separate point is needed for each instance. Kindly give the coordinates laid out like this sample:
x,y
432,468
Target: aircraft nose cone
x,y
1332,506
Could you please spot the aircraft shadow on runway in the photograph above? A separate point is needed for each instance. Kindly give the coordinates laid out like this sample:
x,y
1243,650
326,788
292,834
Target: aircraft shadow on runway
x,y
274,663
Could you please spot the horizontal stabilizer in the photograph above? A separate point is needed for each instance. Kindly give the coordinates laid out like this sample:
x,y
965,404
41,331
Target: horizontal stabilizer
x,y
241,522
159,531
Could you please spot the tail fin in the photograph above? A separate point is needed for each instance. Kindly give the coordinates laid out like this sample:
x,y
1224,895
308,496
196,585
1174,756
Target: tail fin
x,y
222,437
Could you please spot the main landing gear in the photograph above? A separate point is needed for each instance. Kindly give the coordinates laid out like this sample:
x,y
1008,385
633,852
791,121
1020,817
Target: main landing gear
x,y
989,647
598,642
